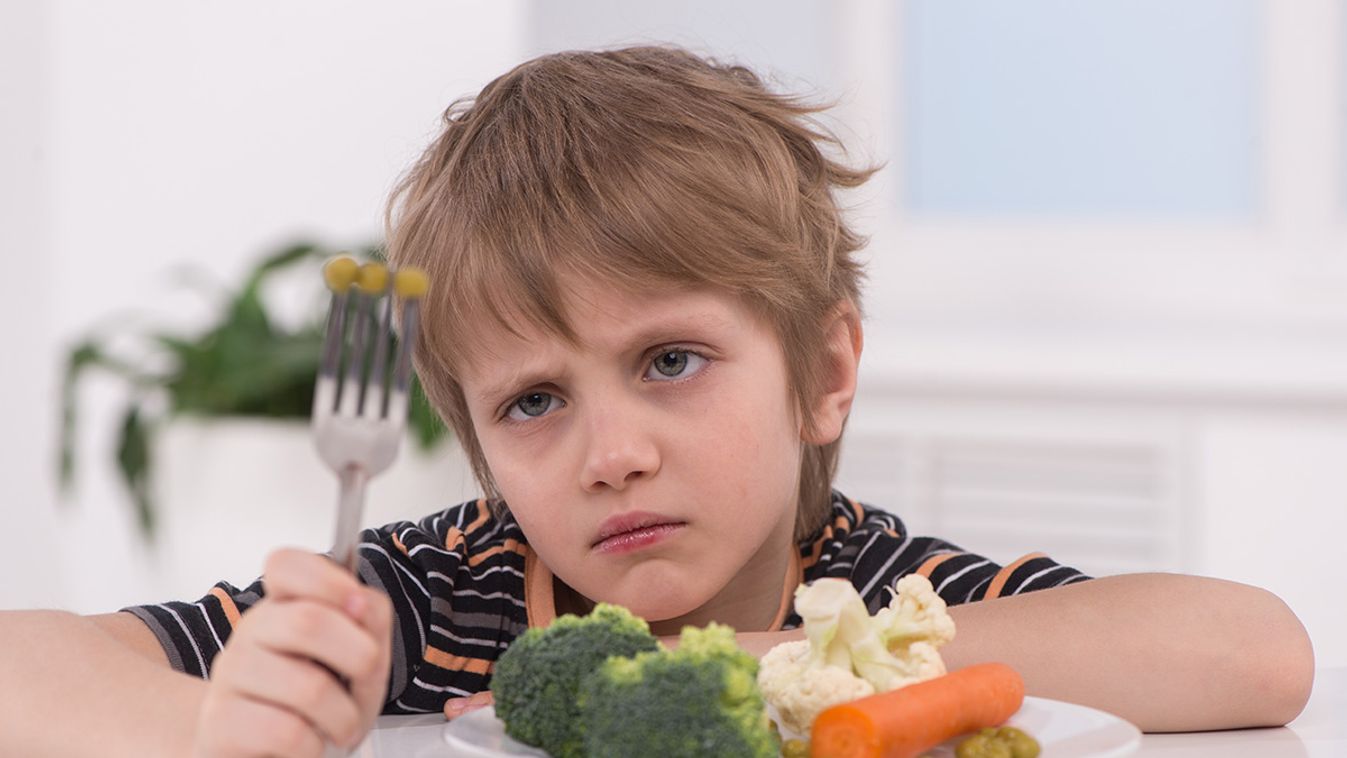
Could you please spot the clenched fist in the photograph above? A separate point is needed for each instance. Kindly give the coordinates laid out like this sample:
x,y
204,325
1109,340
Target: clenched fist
x,y
307,664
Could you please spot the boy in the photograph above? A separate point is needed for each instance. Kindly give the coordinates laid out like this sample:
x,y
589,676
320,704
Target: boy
x,y
644,327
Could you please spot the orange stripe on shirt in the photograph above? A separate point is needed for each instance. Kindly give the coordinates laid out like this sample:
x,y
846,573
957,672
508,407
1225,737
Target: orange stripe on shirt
x,y
840,523
1002,576
510,545
457,662
933,561
816,550
455,537
483,513
231,611
856,510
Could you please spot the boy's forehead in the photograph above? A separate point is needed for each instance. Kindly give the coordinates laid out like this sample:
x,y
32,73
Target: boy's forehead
x,y
600,318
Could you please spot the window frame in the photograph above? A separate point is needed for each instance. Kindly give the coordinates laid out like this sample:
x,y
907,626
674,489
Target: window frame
x,y
1273,285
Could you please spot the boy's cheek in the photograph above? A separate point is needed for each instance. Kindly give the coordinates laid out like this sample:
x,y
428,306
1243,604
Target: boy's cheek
x,y
523,450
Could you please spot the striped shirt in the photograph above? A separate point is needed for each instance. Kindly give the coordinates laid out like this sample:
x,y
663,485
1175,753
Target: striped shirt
x,y
464,584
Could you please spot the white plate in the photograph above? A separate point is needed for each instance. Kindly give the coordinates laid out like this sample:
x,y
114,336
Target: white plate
x,y
1067,730
1064,730
480,734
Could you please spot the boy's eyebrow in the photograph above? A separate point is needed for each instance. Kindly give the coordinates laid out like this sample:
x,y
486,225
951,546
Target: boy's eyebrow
x,y
509,386
673,329
667,330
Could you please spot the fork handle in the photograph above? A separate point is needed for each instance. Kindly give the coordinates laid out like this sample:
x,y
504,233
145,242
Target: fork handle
x,y
350,504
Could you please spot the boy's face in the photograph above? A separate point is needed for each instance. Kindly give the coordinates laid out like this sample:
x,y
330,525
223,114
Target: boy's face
x,y
656,464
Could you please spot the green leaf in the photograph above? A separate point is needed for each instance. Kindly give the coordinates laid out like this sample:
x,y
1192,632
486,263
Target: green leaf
x,y
133,460
85,355
426,425
280,260
80,358
273,379
178,346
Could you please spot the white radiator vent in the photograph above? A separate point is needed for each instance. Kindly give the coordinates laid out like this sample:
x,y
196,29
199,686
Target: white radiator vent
x,y
1096,495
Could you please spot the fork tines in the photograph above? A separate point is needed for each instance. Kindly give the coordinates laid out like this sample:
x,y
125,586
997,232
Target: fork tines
x,y
353,375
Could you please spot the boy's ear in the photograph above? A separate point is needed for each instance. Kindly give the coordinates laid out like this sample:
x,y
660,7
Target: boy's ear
x,y
842,343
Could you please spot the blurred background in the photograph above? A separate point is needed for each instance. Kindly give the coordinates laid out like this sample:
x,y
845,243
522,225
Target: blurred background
x,y
1107,304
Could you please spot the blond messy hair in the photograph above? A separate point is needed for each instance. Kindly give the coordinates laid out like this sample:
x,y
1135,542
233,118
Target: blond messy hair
x,y
635,167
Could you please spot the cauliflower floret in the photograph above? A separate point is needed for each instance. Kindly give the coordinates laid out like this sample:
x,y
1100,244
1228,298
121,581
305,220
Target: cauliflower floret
x,y
922,663
914,614
801,691
850,654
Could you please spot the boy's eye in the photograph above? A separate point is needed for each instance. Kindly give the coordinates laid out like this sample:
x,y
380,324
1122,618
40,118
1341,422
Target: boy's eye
x,y
673,364
533,405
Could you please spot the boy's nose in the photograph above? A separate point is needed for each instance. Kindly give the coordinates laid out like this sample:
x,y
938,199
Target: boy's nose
x,y
618,452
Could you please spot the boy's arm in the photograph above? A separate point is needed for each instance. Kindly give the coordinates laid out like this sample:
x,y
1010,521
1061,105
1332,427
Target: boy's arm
x,y
306,664
76,685
1164,651
1167,652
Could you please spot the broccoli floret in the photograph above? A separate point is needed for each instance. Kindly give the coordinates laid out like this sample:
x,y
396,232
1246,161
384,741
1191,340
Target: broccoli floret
x,y
699,701
536,679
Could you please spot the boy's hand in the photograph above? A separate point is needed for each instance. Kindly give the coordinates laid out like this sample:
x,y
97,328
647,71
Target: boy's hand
x,y
274,687
459,706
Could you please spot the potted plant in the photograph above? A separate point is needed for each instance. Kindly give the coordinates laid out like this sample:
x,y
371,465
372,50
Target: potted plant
x,y
244,365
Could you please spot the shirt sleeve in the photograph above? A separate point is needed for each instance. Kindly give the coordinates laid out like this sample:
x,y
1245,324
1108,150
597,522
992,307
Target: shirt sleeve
x,y
962,577
877,551
193,633
407,561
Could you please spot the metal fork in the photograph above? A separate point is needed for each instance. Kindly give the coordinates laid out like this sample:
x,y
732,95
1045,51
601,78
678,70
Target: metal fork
x,y
359,406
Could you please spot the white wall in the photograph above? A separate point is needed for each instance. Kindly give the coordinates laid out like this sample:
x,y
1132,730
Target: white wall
x,y
142,136
1273,502
27,389
792,41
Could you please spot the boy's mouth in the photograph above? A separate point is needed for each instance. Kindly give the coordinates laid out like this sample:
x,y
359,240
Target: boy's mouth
x,y
625,532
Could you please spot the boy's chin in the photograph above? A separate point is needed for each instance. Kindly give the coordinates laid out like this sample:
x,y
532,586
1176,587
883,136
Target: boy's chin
x,y
656,604
655,609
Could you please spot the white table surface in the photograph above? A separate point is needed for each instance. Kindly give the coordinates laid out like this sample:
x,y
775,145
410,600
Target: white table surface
x,y
1321,731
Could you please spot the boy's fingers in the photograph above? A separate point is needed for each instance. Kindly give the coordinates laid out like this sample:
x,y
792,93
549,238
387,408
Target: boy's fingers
x,y
318,631
292,573
372,609
301,687
271,730
377,620
455,707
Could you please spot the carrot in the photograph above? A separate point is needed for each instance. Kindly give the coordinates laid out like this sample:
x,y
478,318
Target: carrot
x,y
904,722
